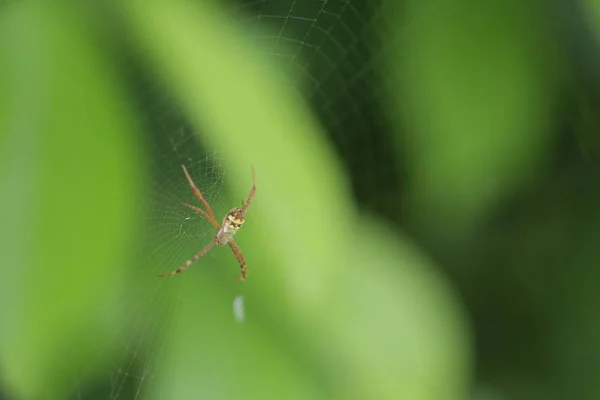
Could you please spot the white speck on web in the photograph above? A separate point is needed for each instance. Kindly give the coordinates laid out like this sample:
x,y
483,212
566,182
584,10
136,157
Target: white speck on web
x,y
238,309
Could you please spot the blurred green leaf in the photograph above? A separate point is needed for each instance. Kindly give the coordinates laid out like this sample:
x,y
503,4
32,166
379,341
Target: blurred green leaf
x,y
203,58
477,83
302,236
591,11
69,181
395,324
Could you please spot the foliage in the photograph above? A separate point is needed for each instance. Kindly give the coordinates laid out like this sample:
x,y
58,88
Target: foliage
x,y
362,284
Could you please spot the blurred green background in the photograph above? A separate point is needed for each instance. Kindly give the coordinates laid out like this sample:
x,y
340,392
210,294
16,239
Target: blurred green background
x,y
426,218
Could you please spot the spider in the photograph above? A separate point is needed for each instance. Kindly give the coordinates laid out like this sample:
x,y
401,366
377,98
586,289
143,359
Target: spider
x,y
233,221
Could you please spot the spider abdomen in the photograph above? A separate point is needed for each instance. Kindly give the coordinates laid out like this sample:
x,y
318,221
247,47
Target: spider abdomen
x,y
232,222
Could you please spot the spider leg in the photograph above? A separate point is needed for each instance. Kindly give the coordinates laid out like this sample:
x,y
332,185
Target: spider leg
x,y
191,260
252,191
210,213
240,257
203,213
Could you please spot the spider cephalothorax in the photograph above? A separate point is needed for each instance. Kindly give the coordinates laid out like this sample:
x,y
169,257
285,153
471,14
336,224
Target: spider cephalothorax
x,y
232,222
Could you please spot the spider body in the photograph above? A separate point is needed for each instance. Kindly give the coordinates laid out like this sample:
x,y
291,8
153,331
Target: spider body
x,y
232,222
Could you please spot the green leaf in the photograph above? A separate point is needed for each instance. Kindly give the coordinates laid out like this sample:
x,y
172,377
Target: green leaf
x,y
478,111
68,177
331,282
251,118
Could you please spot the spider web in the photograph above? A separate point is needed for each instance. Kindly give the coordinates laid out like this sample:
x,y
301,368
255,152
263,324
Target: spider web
x,y
329,50
174,233
332,52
